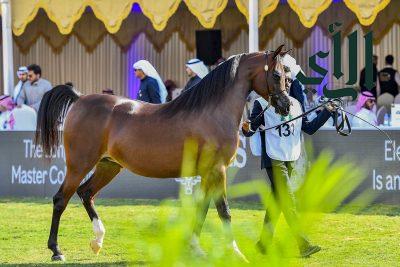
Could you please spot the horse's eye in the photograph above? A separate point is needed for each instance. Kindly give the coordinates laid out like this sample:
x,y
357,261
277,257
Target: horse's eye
x,y
276,75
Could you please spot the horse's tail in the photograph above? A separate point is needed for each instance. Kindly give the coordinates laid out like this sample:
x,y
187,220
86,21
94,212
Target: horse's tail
x,y
52,111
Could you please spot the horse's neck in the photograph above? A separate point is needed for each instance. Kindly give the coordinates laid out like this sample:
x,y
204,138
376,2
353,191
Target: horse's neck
x,y
233,104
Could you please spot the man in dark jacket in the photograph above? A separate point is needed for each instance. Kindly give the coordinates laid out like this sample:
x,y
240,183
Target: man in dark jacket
x,y
280,148
375,77
196,70
294,87
152,89
148,91
389,78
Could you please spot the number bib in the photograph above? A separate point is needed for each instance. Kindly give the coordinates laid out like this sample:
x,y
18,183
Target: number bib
x,y
283,142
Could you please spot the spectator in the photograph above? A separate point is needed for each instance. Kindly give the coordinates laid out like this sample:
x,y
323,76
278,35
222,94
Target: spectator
x,y
196,70
375,76
152,89
220,61
6,117
365,104
172,89
22,74
33,90
108,91
389,78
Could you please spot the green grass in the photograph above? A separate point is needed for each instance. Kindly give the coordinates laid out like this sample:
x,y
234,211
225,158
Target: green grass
x,y
369,237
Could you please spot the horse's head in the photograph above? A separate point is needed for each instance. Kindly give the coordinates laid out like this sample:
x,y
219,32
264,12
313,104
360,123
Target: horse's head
x,y
270,83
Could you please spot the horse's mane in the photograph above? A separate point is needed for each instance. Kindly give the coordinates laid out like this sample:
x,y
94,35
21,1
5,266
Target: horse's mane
x,y
209,90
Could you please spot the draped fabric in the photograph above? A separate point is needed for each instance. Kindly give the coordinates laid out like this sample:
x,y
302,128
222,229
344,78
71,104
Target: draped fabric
x,y
90,31
113,13
108,66
23,12
206,11
63,13
367,11
159,13
309,10
265,7
66,13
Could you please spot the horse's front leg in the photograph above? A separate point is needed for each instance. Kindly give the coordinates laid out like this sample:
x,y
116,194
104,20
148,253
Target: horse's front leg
x,y
221,203
203,204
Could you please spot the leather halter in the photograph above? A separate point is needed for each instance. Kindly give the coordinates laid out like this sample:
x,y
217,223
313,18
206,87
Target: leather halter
x,y
270,93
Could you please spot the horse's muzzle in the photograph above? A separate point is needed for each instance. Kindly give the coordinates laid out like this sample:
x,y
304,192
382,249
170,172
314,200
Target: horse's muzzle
x,y
282,106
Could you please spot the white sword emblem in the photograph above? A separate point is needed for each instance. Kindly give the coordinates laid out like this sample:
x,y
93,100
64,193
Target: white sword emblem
x,y
188,183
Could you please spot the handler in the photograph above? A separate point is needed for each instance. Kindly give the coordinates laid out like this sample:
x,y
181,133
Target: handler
x,y
280,149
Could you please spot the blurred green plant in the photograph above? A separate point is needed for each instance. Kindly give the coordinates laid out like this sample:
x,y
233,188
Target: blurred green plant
x,y
326,185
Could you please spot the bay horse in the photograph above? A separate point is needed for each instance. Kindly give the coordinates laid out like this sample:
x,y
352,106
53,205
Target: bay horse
x,y
110,133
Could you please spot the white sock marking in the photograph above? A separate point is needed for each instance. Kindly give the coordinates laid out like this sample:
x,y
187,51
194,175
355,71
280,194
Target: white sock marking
x,y
99,230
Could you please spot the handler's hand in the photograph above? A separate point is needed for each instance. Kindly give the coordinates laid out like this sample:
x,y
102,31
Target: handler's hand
x,y
2,108
330,107
246,126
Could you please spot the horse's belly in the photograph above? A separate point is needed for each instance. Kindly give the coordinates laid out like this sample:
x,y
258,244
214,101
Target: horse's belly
x,y
157,151
153,168
148,160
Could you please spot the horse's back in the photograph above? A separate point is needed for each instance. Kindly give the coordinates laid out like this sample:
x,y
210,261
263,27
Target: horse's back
x,y
87,123
89,111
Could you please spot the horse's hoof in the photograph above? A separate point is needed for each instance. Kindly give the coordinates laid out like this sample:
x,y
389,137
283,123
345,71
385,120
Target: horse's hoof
x,y
199,252
196,248
261,247
59,257
238,253
96,247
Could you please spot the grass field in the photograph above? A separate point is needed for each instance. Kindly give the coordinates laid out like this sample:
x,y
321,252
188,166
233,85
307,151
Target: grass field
x,y
367,238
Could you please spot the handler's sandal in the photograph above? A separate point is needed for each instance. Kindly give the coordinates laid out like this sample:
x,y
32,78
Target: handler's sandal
x,y
307,251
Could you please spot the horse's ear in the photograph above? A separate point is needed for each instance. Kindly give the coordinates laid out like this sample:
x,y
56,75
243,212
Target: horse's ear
x,y
278,51
283,53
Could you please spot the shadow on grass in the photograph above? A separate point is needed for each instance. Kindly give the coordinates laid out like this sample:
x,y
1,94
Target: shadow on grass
x,y
376,209
242,205
76,200
120,263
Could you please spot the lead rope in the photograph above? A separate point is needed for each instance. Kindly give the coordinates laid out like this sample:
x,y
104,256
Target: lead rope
x,y
376,127
295,118
337,103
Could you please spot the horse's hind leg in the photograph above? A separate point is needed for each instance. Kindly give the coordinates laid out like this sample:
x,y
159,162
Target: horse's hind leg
x,y
77,168
105,171
60,202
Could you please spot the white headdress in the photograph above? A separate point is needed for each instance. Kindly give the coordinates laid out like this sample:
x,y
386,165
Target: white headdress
x,y
290,62
18,87
150,71
22,70
198,67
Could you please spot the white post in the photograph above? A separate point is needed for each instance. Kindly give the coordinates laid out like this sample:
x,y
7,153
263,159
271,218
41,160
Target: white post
x,y
8,63
253,26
